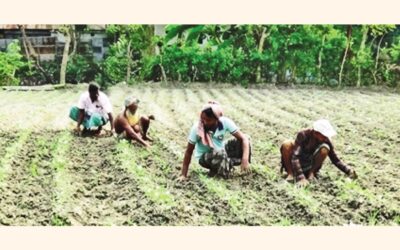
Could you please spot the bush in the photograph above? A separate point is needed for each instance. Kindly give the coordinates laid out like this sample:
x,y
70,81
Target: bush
x,y
10,62
202,64
81,69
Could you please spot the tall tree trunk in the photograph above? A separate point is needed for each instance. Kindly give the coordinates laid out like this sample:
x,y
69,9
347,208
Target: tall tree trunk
x,y
30,52
260,50
74,41
293,75
129,59
360,53
349,30
319,66
149,32
163,74
65,58
25,47
377,59
281,76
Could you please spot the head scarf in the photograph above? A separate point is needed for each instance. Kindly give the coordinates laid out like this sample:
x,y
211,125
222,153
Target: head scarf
x,y
201,131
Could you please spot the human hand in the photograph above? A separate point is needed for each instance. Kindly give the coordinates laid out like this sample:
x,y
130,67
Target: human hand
x,y
303,183
244,167
77,130
111,133
352,174
182,178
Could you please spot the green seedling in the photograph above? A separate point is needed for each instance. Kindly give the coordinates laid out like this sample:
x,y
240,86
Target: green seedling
x,y
11,151
149,183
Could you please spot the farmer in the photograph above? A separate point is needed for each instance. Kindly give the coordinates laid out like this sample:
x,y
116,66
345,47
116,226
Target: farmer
x,y
129,124
93,111
303,158
207,137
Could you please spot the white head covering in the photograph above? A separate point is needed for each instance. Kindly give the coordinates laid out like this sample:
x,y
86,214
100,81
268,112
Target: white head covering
x,y
324,127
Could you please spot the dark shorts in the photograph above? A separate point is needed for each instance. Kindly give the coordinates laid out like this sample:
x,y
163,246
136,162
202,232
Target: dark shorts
x,y
222,161
306,161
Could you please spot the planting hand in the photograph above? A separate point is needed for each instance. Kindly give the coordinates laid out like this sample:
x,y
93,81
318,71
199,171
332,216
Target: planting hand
x,y
110,133
303,183
147,145
244,167
352,174
182,178
77,129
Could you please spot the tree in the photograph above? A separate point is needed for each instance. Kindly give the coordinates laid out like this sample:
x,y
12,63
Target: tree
x,y
362,54
69,34
32,55
379,31
133,43
348,44
10,63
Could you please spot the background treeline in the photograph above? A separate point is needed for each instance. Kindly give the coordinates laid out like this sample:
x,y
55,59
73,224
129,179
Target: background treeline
x,y
334,55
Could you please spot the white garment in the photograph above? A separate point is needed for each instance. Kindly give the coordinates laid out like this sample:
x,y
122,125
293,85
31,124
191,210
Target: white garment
x,y
102,105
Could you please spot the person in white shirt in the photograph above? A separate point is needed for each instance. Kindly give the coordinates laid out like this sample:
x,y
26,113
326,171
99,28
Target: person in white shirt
x,y
94,110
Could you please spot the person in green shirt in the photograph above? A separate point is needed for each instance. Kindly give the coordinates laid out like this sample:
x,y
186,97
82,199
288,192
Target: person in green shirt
x,y
206,138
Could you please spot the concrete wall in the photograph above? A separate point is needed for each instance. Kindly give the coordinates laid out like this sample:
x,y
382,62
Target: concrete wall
x,y
49,43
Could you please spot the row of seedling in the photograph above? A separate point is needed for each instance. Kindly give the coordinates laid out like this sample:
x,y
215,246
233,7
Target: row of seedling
x,y
12,150
134,160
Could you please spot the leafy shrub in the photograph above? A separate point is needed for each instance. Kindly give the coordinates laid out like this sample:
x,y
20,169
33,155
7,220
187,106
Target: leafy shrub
x,y
10,62
81,69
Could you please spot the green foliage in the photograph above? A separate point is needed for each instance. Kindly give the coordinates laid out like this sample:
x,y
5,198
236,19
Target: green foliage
x,y
154,191
31,75
284,222
379,30
202,64
373,218
243,54
391,65
10,62
114,66
57,220
132,43
81,69
6,161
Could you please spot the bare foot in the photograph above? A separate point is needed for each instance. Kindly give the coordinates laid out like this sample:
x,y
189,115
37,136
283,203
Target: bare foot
x,y
289,178
146,138
311,177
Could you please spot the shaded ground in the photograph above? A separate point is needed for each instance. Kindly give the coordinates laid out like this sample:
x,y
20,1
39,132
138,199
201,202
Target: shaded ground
x,y
48,176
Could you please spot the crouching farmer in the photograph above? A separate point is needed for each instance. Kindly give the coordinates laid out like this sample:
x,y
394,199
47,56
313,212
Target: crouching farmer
x,y
303,158
94,110
207,138
130,125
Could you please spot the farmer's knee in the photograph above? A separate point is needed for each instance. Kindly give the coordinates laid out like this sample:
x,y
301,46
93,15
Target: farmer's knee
x,y
136,128
324,151
286,146
144,119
